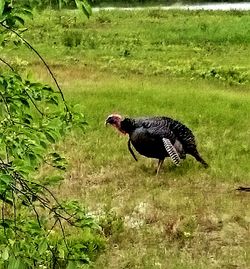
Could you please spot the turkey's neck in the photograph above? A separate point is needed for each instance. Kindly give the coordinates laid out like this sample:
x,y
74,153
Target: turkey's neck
x,y
127,125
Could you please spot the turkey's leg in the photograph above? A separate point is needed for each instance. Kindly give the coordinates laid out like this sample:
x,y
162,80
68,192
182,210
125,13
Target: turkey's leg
x,y
160,162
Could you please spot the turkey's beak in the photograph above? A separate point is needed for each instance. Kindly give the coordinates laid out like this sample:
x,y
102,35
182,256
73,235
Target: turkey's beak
x,y
110,121
106,122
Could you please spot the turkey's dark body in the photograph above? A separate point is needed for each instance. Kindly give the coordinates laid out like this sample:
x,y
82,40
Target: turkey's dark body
x,y
147,145
146,136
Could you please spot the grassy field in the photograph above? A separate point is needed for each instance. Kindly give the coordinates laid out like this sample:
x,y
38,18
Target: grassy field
x,y
192,66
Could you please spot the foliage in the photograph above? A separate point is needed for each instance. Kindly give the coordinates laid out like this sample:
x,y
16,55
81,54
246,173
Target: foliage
x,y
82,5
35,229
27,242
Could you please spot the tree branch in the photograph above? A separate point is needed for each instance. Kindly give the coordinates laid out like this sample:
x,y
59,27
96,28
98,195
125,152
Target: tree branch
x,y
41,58
64,237
30,202
32,101
6,63
6,105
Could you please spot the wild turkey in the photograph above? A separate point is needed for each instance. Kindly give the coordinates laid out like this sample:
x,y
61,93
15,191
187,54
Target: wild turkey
x,y
157,137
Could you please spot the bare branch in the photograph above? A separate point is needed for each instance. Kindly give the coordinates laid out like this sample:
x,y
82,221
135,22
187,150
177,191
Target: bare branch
x,y
63,233
34,104
14,209
6,63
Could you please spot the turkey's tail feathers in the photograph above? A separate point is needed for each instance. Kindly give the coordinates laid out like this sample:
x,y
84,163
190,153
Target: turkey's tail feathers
x,y
130,149
171,151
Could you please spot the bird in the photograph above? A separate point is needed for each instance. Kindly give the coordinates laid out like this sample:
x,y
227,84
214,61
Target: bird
x,y
157,137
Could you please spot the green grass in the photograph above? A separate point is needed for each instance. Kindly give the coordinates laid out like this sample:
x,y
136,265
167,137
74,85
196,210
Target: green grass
x,y
192,66
105,177
197,43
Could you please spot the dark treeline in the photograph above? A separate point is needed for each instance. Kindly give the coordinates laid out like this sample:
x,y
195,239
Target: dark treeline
x,y
71,3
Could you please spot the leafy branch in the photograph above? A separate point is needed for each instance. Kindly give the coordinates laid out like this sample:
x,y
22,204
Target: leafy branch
x,y
40,57
36,229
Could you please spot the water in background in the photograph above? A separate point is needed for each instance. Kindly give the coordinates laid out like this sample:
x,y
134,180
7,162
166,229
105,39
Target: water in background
x,y
214,6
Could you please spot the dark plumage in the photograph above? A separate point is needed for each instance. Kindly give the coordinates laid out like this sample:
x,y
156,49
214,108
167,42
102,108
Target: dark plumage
x,y
158,137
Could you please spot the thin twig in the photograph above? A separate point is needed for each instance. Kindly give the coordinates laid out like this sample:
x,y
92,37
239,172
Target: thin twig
x,y
50,192
14,210
6,63
30,202
49,247
27,188
3,165
53,226
64,236
34,104
45,203
6,105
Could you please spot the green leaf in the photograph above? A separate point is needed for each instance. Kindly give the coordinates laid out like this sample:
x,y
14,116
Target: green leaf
x,y
5,254
47,88
7,179
72,265
24,102
19,19
26,12
43,144
6,196
22,166
61,252
27,169
43,246
33,158
53,180
50,137
2,4
14,263
55,155
4,224
53,100
84,6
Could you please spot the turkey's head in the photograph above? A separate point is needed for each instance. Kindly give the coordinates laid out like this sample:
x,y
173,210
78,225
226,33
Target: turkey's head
x,y
115,121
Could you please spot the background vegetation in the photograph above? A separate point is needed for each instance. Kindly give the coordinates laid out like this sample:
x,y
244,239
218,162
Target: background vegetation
x,y
192,66
71,3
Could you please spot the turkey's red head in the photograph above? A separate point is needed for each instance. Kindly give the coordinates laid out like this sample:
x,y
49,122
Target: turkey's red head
x,y
115,121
